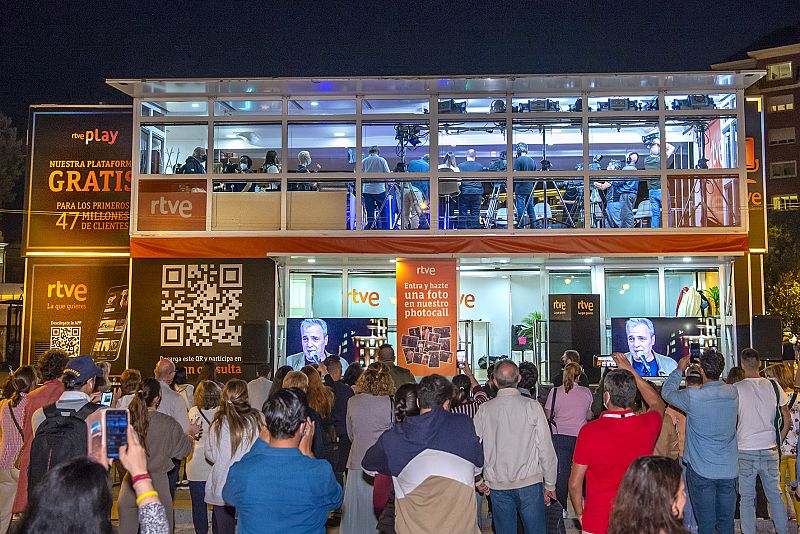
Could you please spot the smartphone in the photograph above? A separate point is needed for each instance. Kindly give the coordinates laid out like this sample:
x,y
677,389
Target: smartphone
x,y
461,360
604,360
108,431
694,352
106,398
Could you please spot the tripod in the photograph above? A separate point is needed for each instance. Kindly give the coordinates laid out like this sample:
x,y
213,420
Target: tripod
x,y
386,206
491,210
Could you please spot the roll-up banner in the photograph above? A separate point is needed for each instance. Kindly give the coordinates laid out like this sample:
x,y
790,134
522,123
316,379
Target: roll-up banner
x,y
79,177
427,316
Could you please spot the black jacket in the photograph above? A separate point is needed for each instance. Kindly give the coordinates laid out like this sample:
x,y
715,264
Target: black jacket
x,y
193,166
341,394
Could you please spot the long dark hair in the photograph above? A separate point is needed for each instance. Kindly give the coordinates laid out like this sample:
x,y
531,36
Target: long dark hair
x,y
243,421
22,382
405,402
75,496
277,382
461,391
645,496
352,374
149,391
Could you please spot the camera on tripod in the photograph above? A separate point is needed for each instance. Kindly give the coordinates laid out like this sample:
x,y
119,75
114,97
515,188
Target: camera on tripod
x,y
499,164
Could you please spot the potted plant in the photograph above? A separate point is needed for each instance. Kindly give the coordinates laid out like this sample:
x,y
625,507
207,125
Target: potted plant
x,y
532,328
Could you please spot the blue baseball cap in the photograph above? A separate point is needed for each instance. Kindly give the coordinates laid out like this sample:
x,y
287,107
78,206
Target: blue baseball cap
x,y
83,368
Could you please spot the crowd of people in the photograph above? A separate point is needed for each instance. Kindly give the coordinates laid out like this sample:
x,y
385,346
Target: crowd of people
x,y
377,450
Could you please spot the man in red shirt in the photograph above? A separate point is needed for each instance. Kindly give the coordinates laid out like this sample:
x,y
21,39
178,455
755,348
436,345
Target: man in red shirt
x,y
51,366
608,445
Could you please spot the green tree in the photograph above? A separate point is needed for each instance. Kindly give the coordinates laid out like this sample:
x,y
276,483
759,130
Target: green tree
x,y
783,299
12,161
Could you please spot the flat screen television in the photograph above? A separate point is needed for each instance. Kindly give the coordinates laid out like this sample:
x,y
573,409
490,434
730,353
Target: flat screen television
x,y
334,338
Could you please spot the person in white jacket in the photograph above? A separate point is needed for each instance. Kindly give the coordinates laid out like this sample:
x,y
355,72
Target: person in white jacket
x,y
233,431
206,405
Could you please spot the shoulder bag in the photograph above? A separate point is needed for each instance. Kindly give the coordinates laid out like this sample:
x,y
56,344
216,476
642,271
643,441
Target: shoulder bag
x,y
552,419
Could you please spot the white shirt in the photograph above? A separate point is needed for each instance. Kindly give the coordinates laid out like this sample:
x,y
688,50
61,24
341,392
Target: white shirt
x,y
173,405
374,163
755,430
257,391
197,467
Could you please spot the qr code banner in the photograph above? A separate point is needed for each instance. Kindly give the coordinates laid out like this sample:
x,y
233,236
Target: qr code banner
x,y
200,305
66,338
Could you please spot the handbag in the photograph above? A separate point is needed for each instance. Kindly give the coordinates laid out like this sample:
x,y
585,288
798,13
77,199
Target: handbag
x,y
552,419
554,518
18,459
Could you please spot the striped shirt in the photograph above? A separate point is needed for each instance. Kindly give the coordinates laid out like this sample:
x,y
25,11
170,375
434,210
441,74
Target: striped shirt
x,y
470,406
11,442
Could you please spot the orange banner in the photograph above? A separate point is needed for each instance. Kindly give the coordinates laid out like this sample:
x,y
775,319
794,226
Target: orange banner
x,y
427,316
166,205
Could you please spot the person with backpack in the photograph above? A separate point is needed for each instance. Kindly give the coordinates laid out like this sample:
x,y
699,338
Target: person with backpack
x,y
59,430
163,439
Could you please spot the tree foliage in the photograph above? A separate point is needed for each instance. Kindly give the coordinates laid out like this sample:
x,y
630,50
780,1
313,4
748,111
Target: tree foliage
x,y
12,161
782,268
783,299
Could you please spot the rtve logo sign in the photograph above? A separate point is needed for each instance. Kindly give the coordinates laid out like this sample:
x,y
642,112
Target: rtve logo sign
x,y
65,291
97,136
373,298
165,206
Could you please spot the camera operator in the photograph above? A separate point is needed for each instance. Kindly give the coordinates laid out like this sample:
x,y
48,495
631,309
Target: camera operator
x,y
653,162
523,189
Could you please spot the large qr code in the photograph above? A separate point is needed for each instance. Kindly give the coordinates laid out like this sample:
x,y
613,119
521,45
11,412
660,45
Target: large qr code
x,y
66,338
200,305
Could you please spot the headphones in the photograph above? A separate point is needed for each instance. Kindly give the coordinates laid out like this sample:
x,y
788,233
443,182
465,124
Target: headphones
x,y
629,157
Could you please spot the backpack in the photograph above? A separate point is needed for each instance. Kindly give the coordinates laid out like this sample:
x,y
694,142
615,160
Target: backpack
x,y
62,436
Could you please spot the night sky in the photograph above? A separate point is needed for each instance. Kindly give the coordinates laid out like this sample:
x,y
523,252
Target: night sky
x,y
61,52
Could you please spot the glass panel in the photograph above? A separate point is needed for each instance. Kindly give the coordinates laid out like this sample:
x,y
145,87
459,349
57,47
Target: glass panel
x,y
701,101
547,145
315,294
472,146
703,281
621,202
471,105
245,148
322,147
234,108
535,104
702,143
486,302
175,109
617,139
632,294
562,209
405,142
623,103
371,296
173,149
392,205
472,203
568,283
322,107
704,201
376,106
236,206
321,205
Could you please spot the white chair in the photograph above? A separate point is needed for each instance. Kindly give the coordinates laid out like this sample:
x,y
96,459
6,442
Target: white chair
x,y
642,214
447,190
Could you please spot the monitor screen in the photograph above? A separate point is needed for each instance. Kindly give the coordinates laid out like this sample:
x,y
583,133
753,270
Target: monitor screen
x,y
321,337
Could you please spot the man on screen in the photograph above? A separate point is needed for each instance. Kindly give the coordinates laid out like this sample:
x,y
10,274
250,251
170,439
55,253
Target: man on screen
x,y
314,339
641,339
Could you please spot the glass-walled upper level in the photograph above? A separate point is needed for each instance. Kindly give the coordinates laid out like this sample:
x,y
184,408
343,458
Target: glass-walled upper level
x,y
606,153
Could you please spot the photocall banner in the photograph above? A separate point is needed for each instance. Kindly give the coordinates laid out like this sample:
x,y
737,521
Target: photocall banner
x,y
427,316
79,177
79,306
193,311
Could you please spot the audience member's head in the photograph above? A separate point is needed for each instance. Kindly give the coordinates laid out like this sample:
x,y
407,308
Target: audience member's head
x,y
130,381
208,371
284,415
264,370
651,496
318,395
80,374
750,360
180,376
434,391
74,496
713,363
529,376
405,401
23,381
736,374
277,382
506,374
375,381
386,353
206,395
334,367
780,372
462,390
694,377
165,370
352,374
571,356
572,371
619,390
304,157
295,379
52,364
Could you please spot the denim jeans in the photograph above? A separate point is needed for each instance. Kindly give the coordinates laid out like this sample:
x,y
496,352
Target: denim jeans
x,y
565,448
713,502
763,463
655,208
626,202
519,205
612,214
528,501
197,490
469,210
373,204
